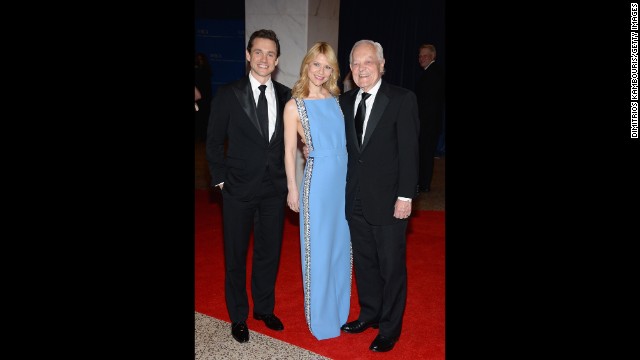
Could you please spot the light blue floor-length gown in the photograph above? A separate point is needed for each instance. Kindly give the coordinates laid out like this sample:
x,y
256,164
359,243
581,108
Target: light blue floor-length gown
x,y
325,243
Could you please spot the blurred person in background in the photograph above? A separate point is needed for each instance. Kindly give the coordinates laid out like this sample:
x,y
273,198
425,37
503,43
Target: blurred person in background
x,y
203,75
429,90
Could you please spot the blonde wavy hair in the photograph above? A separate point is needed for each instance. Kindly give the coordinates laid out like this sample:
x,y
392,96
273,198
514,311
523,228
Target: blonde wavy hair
x,y
301,87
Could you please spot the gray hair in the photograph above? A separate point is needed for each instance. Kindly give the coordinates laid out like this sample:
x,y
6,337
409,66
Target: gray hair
x,y
379,52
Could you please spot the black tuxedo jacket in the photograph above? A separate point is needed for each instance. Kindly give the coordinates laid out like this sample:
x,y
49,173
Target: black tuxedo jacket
x,y
430,93
233,124
386,166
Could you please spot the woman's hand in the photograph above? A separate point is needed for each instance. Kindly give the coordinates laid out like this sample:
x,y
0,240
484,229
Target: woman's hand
x,y
292,200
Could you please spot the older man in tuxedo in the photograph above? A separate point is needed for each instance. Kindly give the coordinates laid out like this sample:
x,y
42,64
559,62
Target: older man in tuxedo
x,y
246,118
429,90
382,128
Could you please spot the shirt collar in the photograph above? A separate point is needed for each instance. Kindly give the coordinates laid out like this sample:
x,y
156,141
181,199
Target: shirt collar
x,y
432,61
255,83
373,91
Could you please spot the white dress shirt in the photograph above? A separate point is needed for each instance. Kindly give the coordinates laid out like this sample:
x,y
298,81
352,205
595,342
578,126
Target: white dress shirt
x,y
270,93
369,102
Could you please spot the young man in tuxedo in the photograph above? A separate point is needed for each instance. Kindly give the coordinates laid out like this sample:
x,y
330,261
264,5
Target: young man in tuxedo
x,y
246,117
382,126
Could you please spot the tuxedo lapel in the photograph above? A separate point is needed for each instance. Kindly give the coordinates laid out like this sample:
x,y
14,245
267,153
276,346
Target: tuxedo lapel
x,y
280,101
245,98
349,114
379,104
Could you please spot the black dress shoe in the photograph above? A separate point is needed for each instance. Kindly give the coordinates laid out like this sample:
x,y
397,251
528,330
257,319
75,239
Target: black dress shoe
x,y
358,326
240,331
271,320
382,343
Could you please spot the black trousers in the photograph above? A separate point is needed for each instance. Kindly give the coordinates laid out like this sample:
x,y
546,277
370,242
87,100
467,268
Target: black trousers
x,y
379,261
265,214
428,147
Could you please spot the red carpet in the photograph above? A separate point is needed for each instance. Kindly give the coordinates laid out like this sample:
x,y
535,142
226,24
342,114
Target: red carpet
x,y
423,332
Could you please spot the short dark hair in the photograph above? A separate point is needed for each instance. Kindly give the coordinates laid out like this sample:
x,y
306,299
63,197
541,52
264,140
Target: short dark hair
x,y
265,34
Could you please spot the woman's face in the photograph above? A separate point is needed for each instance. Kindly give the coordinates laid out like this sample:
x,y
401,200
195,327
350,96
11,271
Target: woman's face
x,y
319,70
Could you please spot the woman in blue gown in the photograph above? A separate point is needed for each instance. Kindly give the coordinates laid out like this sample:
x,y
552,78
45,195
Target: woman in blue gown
x,y
314,115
